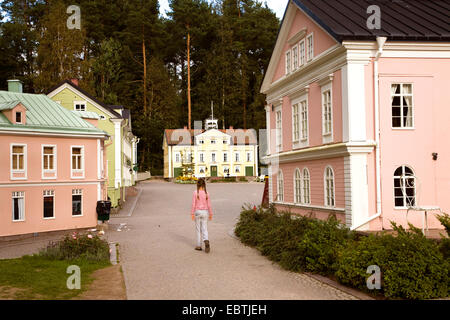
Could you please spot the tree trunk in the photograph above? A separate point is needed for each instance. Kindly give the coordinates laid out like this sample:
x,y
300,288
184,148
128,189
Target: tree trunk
x,y
145,71
189,76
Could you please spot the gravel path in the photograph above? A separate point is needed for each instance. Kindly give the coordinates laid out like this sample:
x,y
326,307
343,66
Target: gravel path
x,y
159,261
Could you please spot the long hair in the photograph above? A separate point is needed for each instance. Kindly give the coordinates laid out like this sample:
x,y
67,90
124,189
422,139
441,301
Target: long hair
x,y
201,183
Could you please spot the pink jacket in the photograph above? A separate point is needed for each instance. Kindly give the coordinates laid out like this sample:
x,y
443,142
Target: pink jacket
x,y
201,203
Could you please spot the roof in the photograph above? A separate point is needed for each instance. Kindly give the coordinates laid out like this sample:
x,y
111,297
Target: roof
x,y
9,105
70,83
86,114
44,115
412,20
185,137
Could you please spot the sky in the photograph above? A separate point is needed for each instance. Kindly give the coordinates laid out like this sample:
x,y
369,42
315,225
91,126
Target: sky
x,y
276,5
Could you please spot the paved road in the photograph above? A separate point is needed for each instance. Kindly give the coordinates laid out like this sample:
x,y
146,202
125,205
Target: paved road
x,y
159,261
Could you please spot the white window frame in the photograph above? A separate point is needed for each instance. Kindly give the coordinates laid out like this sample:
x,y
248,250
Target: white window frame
x,y
75,103
49,193
306,191
249,157
177,157
327,136
302,52
237,167
72,170
279,129
213,141
204,170
404,207
288,62
78,192
326,189
304,121
18,195
55,161
309,49
25,163
294,58
225,168
201,157
21,117
297,186
295,123
225,157
213,157
401,95
237,156
280,186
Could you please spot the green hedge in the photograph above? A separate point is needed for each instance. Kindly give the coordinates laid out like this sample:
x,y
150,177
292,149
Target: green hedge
x,y
412,266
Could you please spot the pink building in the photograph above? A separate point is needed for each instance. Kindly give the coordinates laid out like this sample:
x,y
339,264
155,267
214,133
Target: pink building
x,y
359,118
52,165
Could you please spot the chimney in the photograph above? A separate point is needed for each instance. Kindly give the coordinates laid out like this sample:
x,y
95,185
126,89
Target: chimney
x,y
15,85
74,81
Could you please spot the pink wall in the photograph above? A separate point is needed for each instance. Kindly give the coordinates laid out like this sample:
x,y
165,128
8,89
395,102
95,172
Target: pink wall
x,y
34,186
322,41
414,147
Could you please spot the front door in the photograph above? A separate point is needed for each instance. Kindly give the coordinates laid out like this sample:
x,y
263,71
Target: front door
x,y
249,171
213,171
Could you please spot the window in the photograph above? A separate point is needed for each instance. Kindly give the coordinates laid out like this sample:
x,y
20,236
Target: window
x,y
202,157
18,158
236,157
226,169
213,141
201,141
306,186
288,62
329,187
77,158
49,204
278,130
326,113
249,157
18,206
404,187
48,155
304,120
295,123
202,170
297,186
225,141
295,57
18,117
77,202
177,157
79,106
310,46
237,169
280,186
402,106
225,157
302,53
213,157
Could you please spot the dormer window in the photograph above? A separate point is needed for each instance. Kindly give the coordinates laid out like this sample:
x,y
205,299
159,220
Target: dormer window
x,y
19,117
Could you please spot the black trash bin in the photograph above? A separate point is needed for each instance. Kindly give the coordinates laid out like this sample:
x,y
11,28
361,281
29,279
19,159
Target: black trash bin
x,y
103,210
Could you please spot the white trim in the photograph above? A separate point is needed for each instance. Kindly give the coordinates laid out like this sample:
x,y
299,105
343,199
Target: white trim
x,y
308,57
295,186
99,166
325,189
21,196
309,185
80,194
278,131
50,184
52,194
327,137
25,162
412,127
309,206
302,142
55,162
72,170
280,181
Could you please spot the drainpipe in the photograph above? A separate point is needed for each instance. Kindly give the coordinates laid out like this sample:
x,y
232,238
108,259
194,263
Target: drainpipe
x,y
380,41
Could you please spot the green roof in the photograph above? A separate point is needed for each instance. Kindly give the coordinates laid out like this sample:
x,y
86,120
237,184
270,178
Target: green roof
x,y
86,114
8,105
43,115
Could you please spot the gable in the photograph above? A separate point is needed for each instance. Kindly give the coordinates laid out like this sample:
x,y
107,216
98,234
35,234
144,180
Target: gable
x,y
213,133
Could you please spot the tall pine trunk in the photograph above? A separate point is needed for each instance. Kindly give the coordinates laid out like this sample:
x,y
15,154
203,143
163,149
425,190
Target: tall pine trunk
x,y
189,76
145,71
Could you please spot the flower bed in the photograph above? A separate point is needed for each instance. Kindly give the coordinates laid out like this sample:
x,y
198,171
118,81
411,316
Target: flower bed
x,y
412,266
186,180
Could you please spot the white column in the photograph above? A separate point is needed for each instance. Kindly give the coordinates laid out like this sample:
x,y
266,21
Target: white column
x,y
170,160
356,189
354,101
255,158
117,152
268,110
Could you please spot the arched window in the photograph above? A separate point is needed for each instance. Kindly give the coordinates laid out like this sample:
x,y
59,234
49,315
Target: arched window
x,y
404,187
329,187
306,186
280,186
297,186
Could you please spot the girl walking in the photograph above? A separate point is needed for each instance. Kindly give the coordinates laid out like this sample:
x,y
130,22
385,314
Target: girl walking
x,y
201,209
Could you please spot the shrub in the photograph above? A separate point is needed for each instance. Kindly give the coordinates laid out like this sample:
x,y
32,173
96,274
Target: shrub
x,y
412,266
444,219
86,247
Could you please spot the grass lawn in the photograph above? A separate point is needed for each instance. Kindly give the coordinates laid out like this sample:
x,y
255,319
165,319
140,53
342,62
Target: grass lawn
x,y
36,277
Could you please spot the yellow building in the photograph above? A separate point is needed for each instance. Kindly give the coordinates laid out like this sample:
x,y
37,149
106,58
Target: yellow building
x,y
212,152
